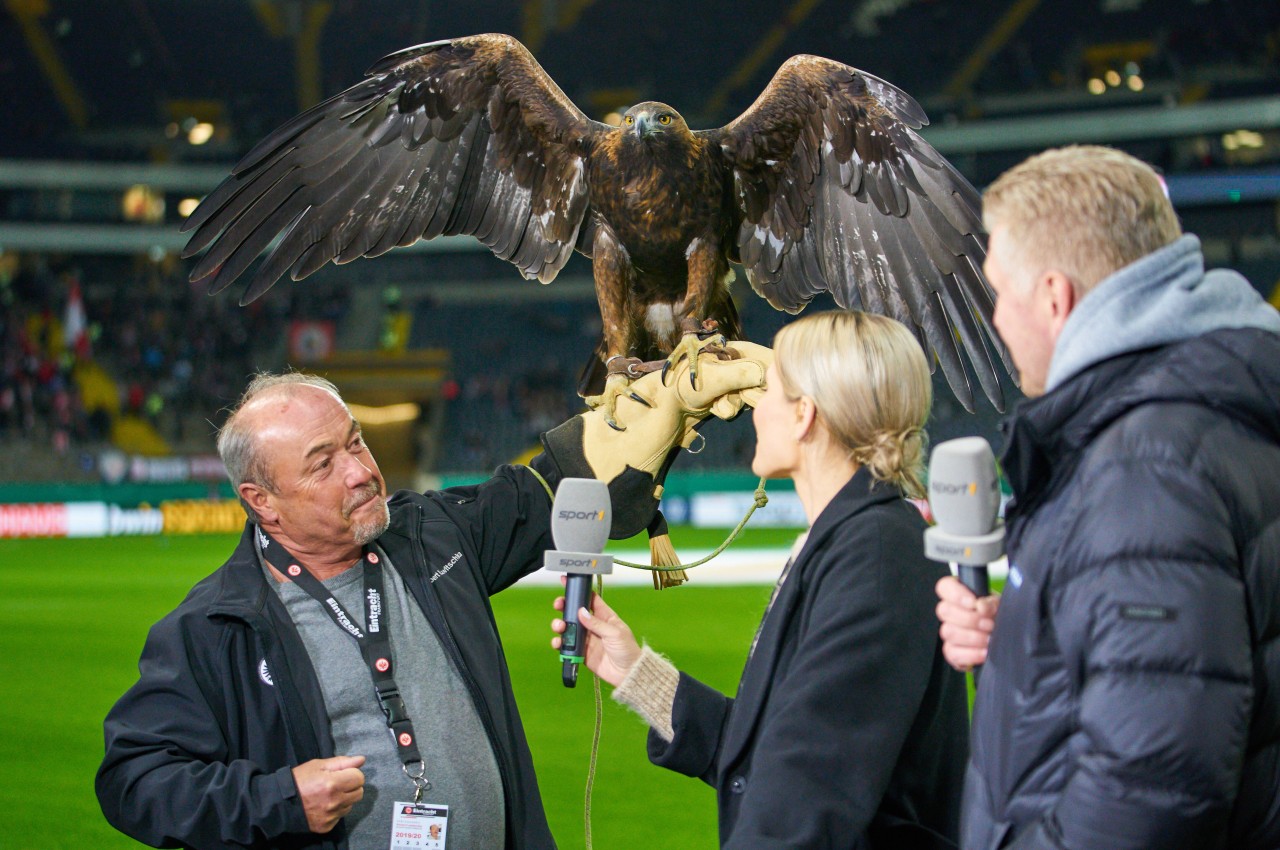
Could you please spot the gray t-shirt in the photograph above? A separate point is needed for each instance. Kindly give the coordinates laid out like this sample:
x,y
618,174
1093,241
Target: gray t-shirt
x,y
459,759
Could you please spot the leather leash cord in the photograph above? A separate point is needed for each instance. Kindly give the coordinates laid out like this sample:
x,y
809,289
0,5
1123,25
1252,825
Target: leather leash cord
x,y
759,500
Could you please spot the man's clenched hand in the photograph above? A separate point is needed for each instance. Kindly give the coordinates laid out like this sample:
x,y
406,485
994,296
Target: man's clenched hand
x,y
329,788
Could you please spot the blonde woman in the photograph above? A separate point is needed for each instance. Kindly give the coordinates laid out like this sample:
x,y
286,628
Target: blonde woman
x,y
849,728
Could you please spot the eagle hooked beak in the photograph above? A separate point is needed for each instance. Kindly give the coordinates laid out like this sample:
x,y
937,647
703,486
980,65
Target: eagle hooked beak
x,y
643,126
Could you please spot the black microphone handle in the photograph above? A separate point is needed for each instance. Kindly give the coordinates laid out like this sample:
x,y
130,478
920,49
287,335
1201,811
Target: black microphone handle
x,y
577,594
975,578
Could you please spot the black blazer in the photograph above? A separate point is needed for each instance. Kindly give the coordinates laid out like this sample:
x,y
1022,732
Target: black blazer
x,y
849,729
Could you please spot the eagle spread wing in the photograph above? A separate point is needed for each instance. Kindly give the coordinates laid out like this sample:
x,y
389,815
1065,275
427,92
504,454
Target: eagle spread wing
x,y
833,189
465,136
837,192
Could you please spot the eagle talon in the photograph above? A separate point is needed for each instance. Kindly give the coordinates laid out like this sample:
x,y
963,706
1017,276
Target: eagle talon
x,y
690,346
666,367
616,385
636,397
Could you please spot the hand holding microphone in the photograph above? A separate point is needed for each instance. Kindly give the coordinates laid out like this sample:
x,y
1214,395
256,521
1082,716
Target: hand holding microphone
x,y
966,623
580,520
613,650
964,495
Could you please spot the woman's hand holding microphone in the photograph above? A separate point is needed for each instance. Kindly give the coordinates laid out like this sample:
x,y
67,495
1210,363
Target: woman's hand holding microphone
x,y
611,649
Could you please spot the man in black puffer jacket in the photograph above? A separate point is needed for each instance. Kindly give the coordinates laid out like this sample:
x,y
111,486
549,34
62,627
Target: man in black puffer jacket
x,y
1131,694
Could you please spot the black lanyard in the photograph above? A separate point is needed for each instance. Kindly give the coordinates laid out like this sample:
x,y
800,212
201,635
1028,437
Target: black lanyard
x,y
374,642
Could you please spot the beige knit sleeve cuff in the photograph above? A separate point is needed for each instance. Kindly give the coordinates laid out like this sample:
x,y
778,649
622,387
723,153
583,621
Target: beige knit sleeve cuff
x,y
650,691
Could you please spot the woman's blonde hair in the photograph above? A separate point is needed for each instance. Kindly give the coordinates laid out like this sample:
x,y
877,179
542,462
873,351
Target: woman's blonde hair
x,y
869,381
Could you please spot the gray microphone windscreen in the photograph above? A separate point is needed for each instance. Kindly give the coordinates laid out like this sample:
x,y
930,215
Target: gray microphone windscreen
x,y
964,492
581,515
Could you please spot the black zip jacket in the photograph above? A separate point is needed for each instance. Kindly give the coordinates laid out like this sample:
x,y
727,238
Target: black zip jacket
x,y
199,752
1131,696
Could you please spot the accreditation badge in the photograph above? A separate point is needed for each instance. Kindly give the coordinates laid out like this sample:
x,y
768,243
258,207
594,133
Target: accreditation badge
x,y
419,826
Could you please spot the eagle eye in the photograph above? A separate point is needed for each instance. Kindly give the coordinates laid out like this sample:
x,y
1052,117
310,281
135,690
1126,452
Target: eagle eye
x,y
664,119
630,120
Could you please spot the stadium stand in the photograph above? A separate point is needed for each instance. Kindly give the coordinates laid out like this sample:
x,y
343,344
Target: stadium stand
x,y
163,358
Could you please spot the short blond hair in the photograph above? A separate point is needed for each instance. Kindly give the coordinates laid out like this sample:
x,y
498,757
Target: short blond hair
x,y
1085,210
869,381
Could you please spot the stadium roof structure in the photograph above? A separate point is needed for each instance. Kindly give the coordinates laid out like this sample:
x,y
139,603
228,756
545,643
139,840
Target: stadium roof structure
x,y
99,99
86,79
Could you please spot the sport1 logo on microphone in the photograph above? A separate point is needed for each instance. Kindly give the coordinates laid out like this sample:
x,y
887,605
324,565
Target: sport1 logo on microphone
x,y
592,515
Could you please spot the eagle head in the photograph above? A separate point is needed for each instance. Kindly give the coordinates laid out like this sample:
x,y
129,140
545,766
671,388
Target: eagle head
x,y
652,121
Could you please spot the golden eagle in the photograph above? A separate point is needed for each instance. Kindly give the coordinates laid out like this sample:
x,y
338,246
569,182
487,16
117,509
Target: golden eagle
x,y
822,185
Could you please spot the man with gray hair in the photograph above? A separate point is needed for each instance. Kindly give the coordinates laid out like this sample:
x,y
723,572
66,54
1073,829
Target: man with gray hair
x,y
1130,697
340,679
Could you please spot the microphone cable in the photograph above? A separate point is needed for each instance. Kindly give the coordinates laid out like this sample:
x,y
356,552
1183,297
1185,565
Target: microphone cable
x,y
595,742
759,500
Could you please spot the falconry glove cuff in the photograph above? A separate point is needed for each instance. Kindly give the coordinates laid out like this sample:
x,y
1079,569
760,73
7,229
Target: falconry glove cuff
x,y
658,420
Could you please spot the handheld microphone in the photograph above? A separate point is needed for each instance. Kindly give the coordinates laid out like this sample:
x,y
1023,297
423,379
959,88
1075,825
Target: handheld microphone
x,y
964,495
581,517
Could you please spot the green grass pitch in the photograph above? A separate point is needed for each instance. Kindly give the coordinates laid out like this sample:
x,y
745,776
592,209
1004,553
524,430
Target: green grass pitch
x,y
74,614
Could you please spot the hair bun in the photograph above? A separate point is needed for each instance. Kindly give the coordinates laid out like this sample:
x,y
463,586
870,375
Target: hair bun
x,y
896,457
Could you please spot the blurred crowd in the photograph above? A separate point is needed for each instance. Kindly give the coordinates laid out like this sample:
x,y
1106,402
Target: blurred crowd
x,y
147,363
39,399
129,352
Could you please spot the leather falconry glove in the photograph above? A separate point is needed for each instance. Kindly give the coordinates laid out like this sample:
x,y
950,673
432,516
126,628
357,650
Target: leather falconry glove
x,y
659,420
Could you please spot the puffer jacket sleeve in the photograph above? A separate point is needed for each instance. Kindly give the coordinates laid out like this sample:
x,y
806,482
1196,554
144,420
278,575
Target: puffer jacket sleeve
x,y
166,779
1151,618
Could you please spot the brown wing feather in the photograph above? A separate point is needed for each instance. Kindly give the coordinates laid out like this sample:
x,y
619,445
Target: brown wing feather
x,y
468,136
835,191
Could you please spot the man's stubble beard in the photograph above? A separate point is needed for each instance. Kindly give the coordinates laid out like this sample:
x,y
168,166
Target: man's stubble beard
x,y
370,530
367,531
